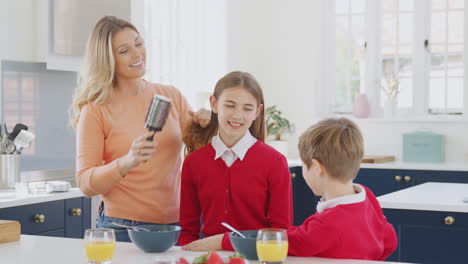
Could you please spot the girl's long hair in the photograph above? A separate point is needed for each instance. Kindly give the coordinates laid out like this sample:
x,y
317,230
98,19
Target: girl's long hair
x,y
196,136
97,76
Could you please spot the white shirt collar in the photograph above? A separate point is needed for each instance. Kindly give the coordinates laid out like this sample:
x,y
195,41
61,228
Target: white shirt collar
x,y
358,197
239,149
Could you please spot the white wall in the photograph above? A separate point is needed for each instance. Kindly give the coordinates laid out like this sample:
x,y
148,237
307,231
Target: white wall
x,y
280,42
18,27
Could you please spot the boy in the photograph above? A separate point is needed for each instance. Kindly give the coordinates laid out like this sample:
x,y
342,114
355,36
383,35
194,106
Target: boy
x,y
349,222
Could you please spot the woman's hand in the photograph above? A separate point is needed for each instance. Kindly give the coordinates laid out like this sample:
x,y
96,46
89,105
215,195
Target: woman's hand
x,y
201,117
212,243
140,151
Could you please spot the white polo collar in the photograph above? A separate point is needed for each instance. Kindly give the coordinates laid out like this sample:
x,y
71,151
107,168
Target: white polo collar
x,y
358,197
239,149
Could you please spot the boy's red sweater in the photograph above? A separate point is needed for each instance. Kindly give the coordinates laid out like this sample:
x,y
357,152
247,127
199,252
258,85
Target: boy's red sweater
x,y
347,231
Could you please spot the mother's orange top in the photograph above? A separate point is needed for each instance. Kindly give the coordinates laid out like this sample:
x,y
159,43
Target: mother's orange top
x,y
149,192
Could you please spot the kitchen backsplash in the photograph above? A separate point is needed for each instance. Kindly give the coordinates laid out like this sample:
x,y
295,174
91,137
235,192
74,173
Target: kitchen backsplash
x,y
39,98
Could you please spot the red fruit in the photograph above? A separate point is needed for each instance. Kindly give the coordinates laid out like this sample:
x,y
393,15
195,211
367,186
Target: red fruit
x,y
200,259
236,260
214,258
182,260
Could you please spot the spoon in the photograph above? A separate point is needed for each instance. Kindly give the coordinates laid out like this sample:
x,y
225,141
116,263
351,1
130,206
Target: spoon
x,y
132,227
233,229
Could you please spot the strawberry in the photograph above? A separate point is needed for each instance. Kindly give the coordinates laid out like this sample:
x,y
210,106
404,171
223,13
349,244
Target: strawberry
x,y
214,258
236,260
182,260
201,259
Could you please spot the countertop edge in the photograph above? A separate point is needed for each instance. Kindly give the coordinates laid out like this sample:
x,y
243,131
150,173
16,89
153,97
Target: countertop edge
x,y
19,200
398,165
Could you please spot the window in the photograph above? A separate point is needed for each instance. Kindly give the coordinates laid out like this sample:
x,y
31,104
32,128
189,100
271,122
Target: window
x,y
445,47
417,44
349,52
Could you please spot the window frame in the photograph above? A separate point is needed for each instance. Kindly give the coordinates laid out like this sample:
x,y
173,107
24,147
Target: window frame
x,y
420,63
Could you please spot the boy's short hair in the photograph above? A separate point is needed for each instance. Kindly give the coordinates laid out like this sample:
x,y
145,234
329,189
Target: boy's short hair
x,y
337,143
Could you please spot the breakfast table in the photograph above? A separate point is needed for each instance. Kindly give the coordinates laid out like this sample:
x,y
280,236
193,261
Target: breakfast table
x,y
56,250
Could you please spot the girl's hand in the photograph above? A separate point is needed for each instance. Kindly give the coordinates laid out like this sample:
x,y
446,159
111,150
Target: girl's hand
x,y
201,117
212,243
140,151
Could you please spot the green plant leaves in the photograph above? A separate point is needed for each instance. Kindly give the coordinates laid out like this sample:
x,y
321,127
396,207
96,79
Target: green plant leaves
x,y
276,124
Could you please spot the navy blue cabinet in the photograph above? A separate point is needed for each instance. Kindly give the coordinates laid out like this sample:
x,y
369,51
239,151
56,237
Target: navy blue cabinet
x,y
382,181
62,218
304,200
429,236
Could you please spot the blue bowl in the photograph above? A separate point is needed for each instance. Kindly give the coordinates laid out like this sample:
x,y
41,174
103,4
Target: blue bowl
x,y
245,246
160,239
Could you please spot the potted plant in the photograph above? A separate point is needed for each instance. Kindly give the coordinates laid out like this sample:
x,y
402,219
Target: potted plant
x,y
277,126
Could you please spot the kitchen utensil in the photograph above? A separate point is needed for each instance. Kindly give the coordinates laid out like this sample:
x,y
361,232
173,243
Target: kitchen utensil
x,y
22,140
5,129
8,146
131,227
16,130
9,170
9,231
245,246
232,229
157,114
159,239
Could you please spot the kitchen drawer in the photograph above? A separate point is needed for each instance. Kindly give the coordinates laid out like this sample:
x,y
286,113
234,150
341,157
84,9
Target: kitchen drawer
x,y
425,237
432,218
28,216
74,218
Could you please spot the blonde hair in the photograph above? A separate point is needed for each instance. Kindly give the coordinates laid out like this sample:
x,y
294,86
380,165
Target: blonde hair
x,y
337,144
97,76
196,136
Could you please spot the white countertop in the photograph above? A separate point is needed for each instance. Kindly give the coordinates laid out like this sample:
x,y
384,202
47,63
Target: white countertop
x,y
9,197
430,196
54,250
398,165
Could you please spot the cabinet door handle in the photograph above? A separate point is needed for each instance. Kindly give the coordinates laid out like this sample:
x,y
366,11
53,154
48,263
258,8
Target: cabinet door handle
x,y
398,178
293,175
76,211
39,218
407,178
449,220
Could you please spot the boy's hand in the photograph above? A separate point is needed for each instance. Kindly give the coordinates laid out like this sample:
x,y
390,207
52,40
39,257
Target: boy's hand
x,y
212,243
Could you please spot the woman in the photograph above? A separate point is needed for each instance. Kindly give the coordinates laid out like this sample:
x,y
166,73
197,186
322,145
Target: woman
x,y
138,180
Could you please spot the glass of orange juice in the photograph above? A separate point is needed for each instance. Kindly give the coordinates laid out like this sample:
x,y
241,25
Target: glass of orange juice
x,y
99,245
272,245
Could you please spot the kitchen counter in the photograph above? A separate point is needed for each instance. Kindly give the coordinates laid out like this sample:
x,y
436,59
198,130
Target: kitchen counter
x,y
54,250
398,165
430,196
9,197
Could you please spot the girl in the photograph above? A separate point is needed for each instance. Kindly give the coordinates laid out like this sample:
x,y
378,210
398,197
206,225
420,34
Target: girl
x,y
236,178
114,159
